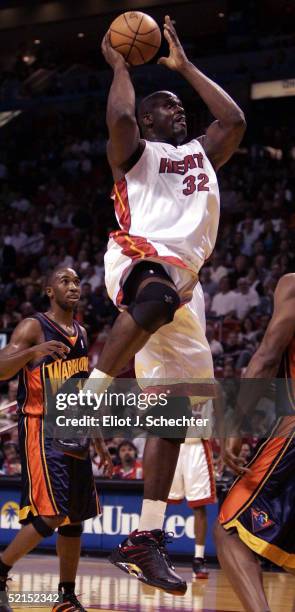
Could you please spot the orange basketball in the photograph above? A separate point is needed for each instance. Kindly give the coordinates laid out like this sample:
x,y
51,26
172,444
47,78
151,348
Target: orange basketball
x,y
136,35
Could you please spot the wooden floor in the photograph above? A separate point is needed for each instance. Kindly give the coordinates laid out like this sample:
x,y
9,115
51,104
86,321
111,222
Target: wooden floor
x,y
104,588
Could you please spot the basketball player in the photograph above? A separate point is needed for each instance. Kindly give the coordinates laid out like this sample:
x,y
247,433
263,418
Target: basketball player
x,y
58,491
258,515
167,205
194,480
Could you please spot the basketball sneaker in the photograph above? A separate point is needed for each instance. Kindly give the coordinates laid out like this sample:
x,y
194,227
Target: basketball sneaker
x,y
199,568
4,605
68,602
143,554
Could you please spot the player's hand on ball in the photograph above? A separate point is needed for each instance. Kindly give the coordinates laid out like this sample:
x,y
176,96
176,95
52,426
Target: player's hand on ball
x,y
112,57
177,57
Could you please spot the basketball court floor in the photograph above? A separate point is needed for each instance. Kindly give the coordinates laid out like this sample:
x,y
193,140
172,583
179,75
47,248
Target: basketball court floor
x,y
104,588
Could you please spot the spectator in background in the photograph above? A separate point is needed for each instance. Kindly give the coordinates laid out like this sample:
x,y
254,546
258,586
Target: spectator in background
x,y
208,304
246,298
240,269
208,285
260,267
215,346
269,236
266,301
20,203
130,468
217,269
35,240
250,232
90,276
245,452
248,332
99,267
224,302
11,465
16,238
231,345
239,354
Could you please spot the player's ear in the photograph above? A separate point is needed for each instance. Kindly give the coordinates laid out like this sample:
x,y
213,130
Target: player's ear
x,y
49,292
147,120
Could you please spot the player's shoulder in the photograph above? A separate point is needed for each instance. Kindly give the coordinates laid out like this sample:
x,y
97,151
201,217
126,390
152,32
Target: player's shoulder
x,y
285,288
28,328
32,322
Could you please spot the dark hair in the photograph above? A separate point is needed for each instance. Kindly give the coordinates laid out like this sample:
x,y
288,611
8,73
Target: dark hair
x,y
124,443
51,274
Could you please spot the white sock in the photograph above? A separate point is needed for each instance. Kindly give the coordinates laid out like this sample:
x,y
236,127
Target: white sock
x,y
199,551
98,381
152,515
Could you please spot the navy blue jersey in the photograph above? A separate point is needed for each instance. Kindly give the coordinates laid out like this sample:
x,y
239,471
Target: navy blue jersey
x,y
50,374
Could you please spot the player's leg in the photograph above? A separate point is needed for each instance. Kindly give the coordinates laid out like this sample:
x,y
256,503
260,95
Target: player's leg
x,y
160,457
26,540
144,553
199,491
242,569
152,301
200,531
159,463
68,548
83,504
29,537
256,515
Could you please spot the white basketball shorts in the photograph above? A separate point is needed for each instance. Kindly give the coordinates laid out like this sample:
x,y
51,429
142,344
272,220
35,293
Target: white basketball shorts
x,y
178,350
194,476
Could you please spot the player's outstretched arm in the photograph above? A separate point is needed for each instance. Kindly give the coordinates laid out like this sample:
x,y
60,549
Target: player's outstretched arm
x,y
225,134
24,346
124,137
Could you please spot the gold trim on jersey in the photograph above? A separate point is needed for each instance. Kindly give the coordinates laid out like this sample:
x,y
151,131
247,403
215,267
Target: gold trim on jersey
x,y
135,248
28,469
119,197
262,547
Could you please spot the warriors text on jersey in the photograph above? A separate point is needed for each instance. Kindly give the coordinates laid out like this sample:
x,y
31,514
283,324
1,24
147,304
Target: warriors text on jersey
x,y
50,373
167,207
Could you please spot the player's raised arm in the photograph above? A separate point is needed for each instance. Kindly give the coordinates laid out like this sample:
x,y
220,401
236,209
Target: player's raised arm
x,y
24,346
225,134
124,137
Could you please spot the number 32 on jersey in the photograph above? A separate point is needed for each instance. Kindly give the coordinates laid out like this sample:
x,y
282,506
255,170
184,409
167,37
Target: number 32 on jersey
x,y
192,184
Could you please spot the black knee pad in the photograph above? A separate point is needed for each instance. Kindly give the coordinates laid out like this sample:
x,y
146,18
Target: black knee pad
x,y
71,531
154,306
41,527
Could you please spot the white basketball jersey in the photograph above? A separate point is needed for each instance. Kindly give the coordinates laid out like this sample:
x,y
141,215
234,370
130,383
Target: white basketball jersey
x,y
170,198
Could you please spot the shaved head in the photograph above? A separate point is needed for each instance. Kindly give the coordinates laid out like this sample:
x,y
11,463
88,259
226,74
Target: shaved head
x,y
148,103
157,116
